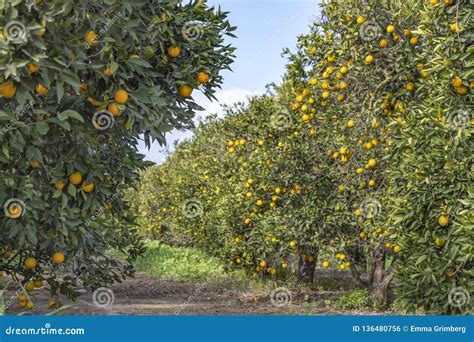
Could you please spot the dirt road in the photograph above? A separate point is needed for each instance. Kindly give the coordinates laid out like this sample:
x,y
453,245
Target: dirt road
x,y
143,295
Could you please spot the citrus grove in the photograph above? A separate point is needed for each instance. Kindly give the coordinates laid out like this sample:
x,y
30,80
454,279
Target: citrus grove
x,y
81,82
360,161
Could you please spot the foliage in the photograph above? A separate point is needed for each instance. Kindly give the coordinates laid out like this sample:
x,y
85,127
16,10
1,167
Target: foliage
x,y
81,82
356,161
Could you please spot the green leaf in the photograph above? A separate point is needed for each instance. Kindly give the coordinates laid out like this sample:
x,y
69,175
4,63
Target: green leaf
x,y
42,127
70,114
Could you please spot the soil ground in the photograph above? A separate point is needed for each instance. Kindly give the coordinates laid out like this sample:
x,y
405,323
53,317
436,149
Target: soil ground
x,y
144,295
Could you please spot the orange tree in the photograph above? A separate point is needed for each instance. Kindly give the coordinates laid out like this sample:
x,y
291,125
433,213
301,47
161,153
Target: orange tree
x,y
80,82
320,169
432,180
352,72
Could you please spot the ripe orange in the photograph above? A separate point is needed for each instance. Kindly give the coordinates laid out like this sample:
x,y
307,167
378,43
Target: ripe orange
x,y
75,178
443,220
87,187
350,124
174,51
203,77
8,90
383,43
22,297
185,90
58,258
413,40
369,59
410,86
90,37
390,28
41,89
112,108
462,90
35,165
108,72
59,185
121,96
30,263
32,68
360,20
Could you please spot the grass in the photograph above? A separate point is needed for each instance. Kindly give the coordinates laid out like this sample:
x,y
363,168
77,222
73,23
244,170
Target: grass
x,y
189,264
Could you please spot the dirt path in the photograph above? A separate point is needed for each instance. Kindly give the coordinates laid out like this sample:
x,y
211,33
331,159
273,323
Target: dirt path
x,y
143,295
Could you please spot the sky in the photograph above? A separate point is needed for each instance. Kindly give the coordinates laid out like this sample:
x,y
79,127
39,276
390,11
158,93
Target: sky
x,y
264,29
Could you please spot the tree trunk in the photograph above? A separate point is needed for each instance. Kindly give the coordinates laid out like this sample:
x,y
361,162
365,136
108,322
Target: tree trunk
x,y
305,270
378,283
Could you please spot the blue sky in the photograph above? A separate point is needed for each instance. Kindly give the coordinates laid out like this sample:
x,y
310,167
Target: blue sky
x,y
264,28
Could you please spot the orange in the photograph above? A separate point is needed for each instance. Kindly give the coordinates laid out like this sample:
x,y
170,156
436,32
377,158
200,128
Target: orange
x,y
32,68
443,220
90,37
53,304
410,86
360,20
185,90
174,51
75,178
58,258
350,124
121,96
30,263
22,297
383,43
87,187
29,287
41,89
29,305
8,90
38,283
413,41
390,28
108,72
203,77
35,165
114,109
462,90
59,185
369,59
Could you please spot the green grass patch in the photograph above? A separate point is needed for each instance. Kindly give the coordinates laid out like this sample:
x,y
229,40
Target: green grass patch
x,y
189,264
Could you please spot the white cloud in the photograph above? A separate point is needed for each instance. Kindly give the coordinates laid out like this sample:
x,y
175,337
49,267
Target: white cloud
x,y
224,97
